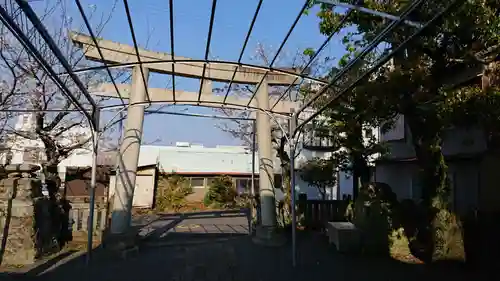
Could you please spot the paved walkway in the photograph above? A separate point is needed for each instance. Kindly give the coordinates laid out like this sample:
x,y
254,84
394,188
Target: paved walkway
x,y
191,225
235,257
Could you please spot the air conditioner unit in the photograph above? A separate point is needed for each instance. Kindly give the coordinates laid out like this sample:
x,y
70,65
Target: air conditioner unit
x,y
182,144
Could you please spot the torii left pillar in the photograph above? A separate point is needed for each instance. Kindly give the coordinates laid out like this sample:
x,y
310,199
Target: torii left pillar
x,y
266,233
128,157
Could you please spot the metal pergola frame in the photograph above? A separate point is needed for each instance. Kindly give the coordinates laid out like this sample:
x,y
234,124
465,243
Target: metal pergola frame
x,y
92,114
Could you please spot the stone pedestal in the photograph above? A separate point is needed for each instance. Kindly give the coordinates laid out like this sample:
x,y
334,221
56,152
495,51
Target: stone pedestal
x,y
17,233
344,235
121,241
18,192
268,236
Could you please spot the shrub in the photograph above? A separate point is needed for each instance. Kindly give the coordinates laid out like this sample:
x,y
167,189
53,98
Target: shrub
x,y
172,192
221,193
373,214
244,201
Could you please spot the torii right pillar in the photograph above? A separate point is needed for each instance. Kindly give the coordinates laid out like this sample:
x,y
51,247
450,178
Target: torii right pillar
x,y
266,231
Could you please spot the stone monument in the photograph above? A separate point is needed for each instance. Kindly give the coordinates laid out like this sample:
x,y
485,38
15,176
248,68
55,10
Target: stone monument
x,y
25,222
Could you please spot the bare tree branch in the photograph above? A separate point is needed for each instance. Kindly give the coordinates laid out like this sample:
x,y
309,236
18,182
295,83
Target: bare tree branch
x,y
25,86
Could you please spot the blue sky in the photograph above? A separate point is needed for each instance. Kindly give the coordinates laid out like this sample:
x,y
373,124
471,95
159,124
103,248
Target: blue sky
x,y
191,21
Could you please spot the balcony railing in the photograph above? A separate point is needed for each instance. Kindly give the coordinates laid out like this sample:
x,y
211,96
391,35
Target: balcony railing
x,y
318,140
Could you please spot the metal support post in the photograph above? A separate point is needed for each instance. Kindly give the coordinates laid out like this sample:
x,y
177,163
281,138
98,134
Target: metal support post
x,y
292,126
255,201
254,132
93,181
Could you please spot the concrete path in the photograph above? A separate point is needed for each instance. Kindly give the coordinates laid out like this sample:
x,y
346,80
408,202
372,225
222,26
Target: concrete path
x,y
235,258
240,260
195,225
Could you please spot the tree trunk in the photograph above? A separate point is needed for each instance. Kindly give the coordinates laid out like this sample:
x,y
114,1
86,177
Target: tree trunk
x,y
360,171
322,192
443,239
50,166
284,209
361,175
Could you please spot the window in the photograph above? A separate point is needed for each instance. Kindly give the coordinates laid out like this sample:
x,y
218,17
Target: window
x,y
243,186
8,156
210,181
277,181
452,186
373,174
197,182
81,139
81,152
396,132
416,187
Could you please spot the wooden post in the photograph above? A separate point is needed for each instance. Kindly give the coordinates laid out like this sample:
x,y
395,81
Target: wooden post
x,y
302,204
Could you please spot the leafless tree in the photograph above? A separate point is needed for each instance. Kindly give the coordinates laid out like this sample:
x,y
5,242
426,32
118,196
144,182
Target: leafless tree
x,y
24,85
243,129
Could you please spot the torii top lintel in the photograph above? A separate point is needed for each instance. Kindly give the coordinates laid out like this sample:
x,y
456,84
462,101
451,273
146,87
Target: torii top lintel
x,y
114,52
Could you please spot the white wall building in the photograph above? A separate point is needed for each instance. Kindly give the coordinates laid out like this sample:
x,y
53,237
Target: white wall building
x,y
314,146
462,148
183,158
24,150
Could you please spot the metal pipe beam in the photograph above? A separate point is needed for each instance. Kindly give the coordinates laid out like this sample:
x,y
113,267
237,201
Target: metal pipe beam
x,y
254,147
207,48
290,30
206,104
316,54
250,29
373,44
370,12
292,143
172,45
161,112
136,46
93,186
91,32
31,15
379,64
28,45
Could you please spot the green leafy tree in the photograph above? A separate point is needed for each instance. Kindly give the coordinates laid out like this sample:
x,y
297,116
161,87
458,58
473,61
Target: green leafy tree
x,y
172,192
319,173
414,85
349,123
221,192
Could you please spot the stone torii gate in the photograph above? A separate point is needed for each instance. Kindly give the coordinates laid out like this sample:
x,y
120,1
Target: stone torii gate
x,y
116,53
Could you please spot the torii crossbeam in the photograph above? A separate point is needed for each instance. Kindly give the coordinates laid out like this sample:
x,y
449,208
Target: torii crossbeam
x,y
208,99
